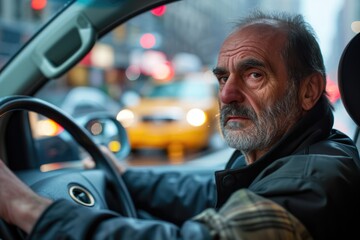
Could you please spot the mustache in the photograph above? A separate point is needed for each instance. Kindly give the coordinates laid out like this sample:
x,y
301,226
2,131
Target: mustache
x,y
234,109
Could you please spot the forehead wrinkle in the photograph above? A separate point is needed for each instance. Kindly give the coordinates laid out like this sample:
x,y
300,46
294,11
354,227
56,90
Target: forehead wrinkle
x,y
255,37
241,65
249,63
233,53
245,43
235,47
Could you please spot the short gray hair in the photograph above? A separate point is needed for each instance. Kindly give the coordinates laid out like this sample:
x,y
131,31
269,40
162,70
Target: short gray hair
x,y
302,52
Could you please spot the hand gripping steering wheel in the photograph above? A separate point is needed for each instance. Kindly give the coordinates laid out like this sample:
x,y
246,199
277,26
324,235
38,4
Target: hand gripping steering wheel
x,y
95,182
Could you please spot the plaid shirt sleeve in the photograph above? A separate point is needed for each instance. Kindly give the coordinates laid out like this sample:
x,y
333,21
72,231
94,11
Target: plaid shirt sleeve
x,y
248,216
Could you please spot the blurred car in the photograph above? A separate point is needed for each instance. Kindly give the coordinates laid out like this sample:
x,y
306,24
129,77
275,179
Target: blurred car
x,y
55,144
83,100
78,102
179,115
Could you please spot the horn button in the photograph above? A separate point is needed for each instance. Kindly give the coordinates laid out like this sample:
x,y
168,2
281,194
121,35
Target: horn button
x,y
82,196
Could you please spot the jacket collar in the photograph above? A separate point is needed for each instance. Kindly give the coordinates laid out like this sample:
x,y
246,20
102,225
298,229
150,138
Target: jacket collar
x,y
312,127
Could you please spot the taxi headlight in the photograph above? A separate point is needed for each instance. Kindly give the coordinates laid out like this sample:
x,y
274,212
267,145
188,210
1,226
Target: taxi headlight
x,y
47,127
196,117
126,117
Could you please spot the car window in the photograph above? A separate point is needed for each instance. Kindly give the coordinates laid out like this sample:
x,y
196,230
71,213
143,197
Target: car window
x,y
20,19
178,89
156,55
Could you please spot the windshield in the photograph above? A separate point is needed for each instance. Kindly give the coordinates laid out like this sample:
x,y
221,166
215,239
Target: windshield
x,y
157,54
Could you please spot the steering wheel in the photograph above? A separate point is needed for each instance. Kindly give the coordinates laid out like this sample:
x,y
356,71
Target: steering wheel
x,y
101,188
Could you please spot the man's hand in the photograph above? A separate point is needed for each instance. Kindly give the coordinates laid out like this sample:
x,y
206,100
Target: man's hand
x,y
19,204
90,164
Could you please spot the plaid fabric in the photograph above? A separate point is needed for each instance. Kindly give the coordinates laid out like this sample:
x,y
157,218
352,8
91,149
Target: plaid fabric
x,y
248,216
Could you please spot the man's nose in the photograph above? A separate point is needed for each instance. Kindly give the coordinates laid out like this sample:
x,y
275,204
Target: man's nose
x,y
231,92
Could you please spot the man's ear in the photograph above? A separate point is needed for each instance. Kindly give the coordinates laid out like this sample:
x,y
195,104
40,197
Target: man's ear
x,y
311,89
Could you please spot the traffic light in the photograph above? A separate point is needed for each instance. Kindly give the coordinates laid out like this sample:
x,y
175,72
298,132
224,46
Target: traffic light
x,y
159,11
148,40
37,7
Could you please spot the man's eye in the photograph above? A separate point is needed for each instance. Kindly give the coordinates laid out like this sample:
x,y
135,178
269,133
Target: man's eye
x,y
222,79
253,79
255,75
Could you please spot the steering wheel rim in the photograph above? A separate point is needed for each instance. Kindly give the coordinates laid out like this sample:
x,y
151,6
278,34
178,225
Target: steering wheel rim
x,y
15,103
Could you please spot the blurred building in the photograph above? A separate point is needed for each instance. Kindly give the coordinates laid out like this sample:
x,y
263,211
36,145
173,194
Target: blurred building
x,y
20,18
208,18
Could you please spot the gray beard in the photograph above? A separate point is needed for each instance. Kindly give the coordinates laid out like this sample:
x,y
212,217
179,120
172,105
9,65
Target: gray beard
x,y
268,127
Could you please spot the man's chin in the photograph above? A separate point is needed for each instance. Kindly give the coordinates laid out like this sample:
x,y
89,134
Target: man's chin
x,y
240,135
231,130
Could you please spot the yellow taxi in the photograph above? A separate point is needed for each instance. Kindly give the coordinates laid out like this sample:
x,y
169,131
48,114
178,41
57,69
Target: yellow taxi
x,y
178,116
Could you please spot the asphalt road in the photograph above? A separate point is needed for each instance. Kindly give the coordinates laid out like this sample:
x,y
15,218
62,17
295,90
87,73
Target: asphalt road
x,y
154,157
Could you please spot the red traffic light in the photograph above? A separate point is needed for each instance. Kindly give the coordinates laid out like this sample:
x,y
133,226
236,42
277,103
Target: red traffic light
x,y
38,4
159,11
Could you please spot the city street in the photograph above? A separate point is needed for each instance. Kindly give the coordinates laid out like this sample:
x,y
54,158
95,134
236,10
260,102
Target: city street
x,y
209,158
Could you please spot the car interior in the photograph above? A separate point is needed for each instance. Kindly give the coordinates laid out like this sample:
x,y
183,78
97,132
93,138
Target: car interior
x,y
44,58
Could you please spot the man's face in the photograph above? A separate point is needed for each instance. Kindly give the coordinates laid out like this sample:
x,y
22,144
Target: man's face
x,y
258,103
